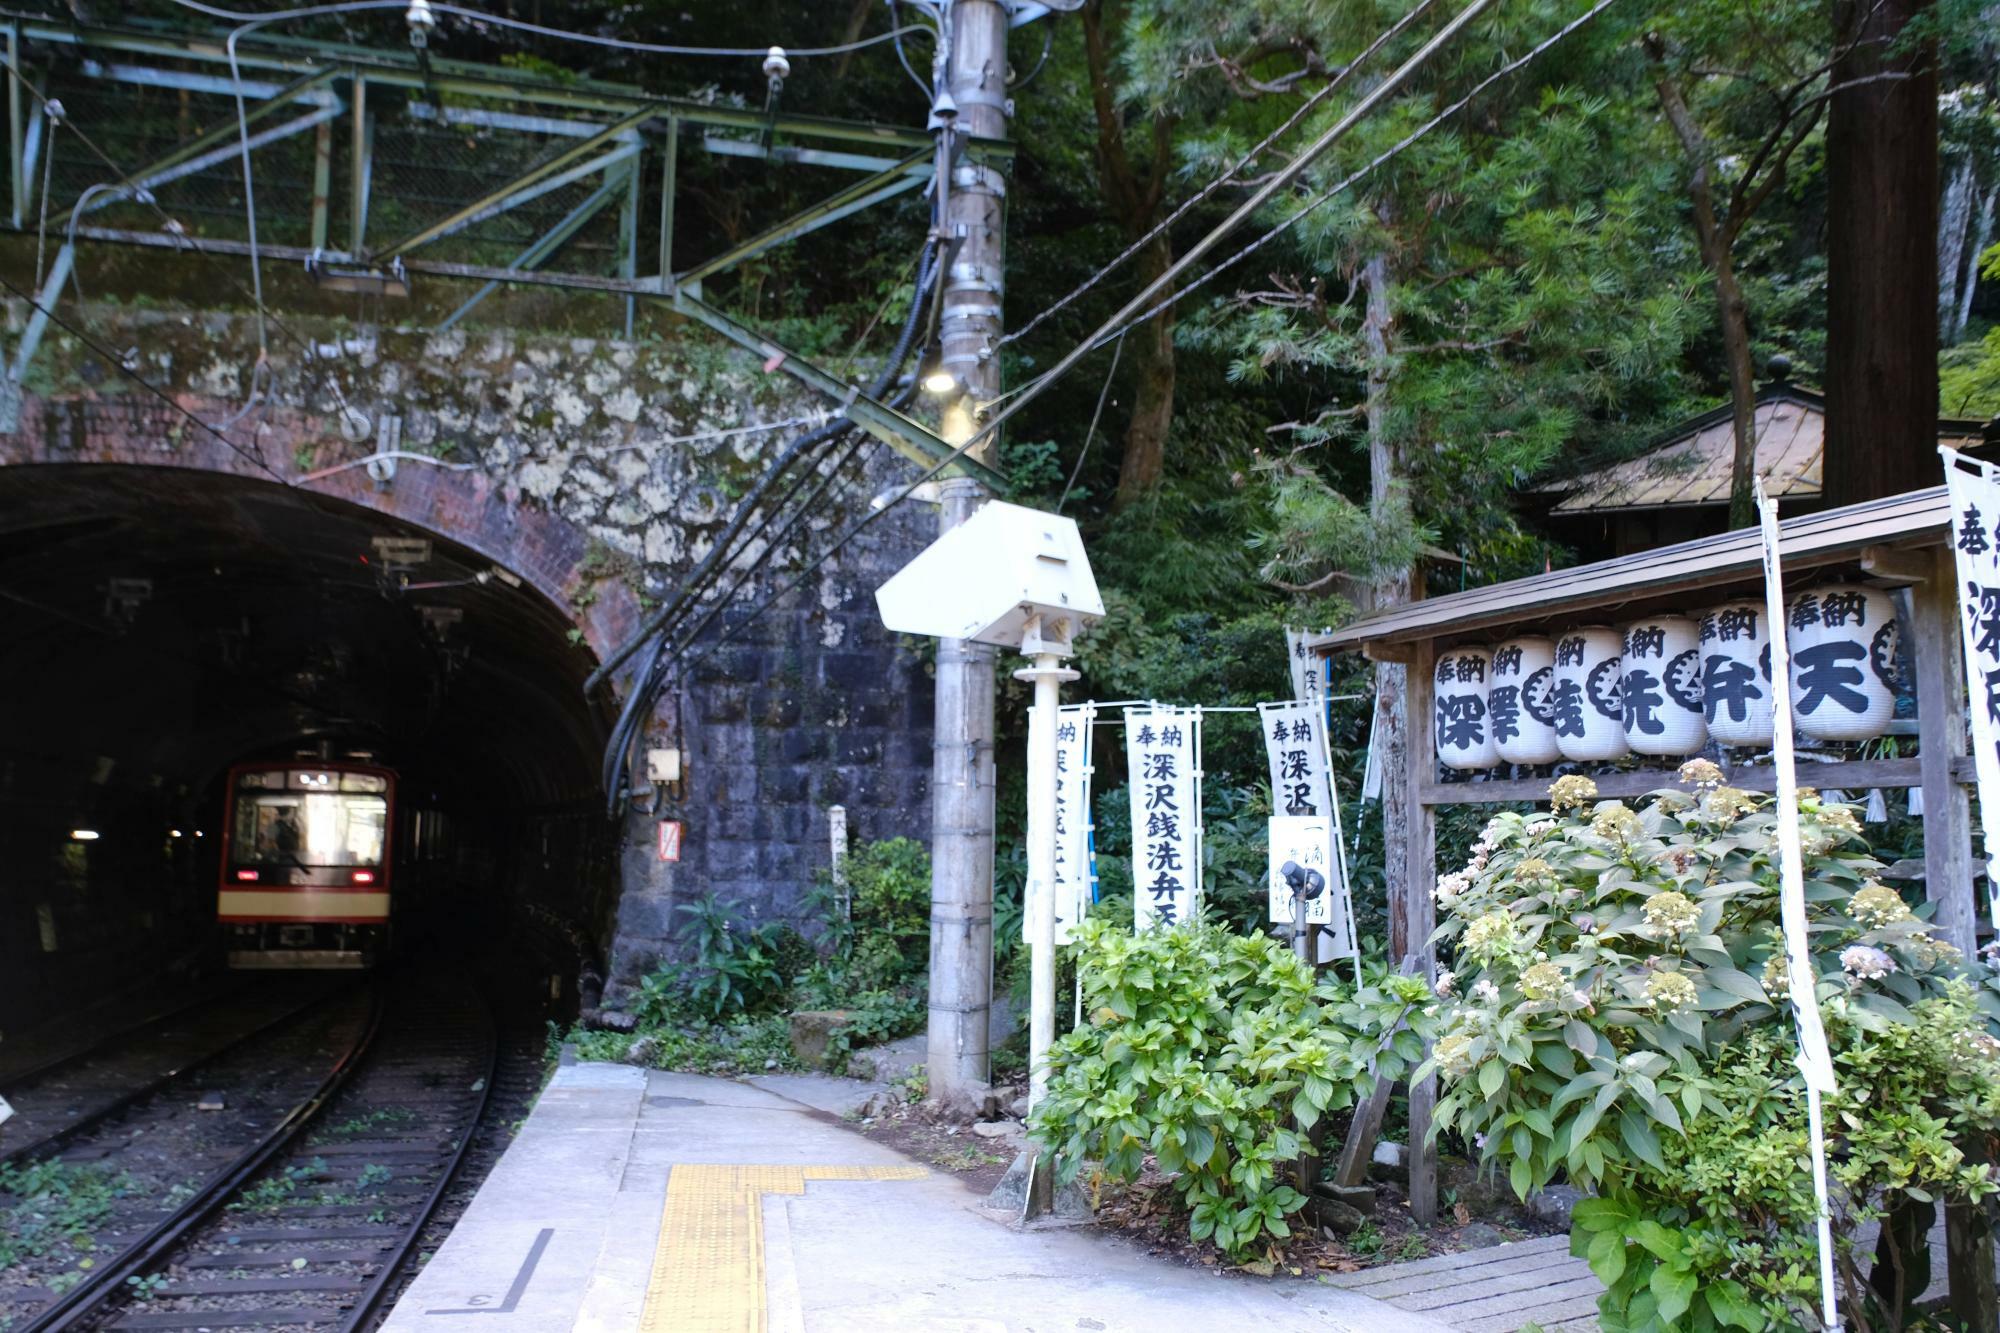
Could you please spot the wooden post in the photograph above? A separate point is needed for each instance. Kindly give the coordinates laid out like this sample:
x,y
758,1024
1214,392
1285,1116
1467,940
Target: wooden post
x,y
1412,914
1940,667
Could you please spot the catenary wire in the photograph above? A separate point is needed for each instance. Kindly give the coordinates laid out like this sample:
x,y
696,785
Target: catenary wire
x,y
1091,433
116,360
561,34
1236,169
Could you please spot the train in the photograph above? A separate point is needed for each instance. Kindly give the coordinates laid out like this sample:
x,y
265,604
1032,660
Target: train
x,y
314,855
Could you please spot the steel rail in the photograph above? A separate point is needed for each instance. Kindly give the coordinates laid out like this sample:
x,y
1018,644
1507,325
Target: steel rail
x,y
16,1078
399,1253
82,1301
56,1140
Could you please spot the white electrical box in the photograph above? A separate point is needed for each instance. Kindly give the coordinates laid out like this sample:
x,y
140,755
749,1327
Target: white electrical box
x,y
989,576
663,766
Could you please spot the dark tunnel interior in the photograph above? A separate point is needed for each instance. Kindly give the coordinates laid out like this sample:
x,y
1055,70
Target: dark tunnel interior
x,y
162,624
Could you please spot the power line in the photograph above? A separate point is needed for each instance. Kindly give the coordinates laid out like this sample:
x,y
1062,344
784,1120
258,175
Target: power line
x,y
1305,108
137,378
1347,183
561,34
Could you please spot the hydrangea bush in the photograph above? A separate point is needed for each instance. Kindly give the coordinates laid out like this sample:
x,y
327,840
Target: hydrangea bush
x,y
1212,1056
1618,1015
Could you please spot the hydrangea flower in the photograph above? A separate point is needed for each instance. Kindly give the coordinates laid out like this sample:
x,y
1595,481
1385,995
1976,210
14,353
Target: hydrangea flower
x,y
1777,977
1449,887
1570,791
1669,991
1446,980
1726,803
1671,913
1931,951
1878,905
1485,992
1489,932
1701,773
1453,1053
1535,872
1543,981
1615,823
1866,963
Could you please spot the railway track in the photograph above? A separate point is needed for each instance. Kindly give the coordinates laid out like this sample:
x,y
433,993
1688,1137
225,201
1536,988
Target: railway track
x,y
309,1227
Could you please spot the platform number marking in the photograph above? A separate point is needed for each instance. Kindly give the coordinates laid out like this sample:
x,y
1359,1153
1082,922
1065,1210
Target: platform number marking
x,y
482,1303
670,839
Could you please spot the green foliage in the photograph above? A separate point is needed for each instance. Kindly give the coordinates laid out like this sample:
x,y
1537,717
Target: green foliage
x,y
44,1205
734,968
1619,1017
1215,1054
1969,376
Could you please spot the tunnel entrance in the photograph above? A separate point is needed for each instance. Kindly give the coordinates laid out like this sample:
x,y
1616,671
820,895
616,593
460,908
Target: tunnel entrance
x,y
163,624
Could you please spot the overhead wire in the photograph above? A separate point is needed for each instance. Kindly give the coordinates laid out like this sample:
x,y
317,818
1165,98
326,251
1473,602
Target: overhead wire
x,y
561,34
1236,169
865,521
1091,432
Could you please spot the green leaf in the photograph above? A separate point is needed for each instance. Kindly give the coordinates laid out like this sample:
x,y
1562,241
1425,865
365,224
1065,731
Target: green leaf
x,y
1639,1136
1731,1305
1673,1288
1606,1255
1658,1241
1492,1077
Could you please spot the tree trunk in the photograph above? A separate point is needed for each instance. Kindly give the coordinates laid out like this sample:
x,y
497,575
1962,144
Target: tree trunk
x,y
1882,227
1144,461
1981,235
1734,314
1954,222
1392,721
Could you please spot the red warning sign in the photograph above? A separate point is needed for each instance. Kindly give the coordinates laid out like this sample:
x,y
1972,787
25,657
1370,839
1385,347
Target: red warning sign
x,y
670,839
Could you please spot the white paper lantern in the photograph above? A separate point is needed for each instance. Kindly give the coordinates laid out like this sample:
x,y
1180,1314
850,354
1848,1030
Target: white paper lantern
x,y
1843,640
1524,678
1586,705
1736,673
1661,686
1464,731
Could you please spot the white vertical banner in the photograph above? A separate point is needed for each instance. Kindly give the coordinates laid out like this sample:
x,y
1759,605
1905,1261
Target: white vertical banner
x,y
1303,841
1308,670
1073,822
1163,749
1301,763
1974,490
1815,1061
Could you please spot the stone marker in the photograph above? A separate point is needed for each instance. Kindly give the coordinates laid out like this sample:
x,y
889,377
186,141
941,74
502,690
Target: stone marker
x,y
813,1031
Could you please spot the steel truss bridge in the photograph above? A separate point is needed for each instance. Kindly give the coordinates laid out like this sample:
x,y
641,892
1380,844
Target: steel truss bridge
x,y
374,168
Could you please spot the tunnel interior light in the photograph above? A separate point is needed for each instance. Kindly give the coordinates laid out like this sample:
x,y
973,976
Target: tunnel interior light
x,y
83,834
173,833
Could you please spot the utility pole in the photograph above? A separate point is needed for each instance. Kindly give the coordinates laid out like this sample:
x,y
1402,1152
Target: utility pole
x,y
973,74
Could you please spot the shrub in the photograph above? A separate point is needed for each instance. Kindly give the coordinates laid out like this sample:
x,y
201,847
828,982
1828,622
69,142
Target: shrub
x,y
734,969
1619,1015
1215,1055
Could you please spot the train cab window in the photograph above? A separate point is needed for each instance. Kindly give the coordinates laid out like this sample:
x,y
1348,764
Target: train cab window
x,y
310,828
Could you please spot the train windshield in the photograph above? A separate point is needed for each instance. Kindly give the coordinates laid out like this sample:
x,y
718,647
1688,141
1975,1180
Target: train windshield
x,y
310,828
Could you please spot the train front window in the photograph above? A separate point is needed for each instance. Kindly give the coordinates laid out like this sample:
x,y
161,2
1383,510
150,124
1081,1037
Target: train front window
x,y
310,828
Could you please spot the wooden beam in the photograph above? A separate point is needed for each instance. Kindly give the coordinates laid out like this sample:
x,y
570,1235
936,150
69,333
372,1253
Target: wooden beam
x,y
1846,775
1939,664
1898,565
1376,651
1414,915
1366,1129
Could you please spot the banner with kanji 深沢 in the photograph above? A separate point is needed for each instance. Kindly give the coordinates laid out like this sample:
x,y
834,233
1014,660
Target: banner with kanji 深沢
x,y
1974,491
1073,824
1308,682
1302,797
1163,750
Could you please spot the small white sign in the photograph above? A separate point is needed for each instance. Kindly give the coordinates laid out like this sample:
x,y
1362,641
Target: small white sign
x,y
1304,841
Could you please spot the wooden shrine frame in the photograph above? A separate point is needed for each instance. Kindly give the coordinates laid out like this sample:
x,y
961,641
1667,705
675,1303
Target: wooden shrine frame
x,y
1899,542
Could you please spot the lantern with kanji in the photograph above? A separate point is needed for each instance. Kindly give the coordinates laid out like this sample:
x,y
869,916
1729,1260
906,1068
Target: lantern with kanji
x,y
1586,704
1736,673
1464,725
1517,699
1661,686
1843,640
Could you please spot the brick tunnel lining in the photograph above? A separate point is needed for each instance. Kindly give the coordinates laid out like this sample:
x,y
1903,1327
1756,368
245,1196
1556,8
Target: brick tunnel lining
x,y
165,623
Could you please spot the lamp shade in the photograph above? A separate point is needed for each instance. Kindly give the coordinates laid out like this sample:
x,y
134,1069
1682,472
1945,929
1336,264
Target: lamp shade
x,y
1464,727
1517,699
1736,673
1843,640
1587,705
1661,686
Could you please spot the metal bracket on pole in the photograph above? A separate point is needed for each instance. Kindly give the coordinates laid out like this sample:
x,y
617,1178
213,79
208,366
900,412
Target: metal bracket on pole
x,y
905,435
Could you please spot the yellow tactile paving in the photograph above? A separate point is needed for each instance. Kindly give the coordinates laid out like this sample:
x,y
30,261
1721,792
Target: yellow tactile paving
x,y
708,1270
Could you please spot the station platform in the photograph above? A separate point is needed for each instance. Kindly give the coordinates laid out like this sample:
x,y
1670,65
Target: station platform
x,y
634,1201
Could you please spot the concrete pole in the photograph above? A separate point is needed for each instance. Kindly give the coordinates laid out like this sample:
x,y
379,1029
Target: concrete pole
x,y
961,979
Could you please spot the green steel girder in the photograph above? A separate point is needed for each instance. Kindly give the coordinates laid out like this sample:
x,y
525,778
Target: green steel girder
x,y
907,174
305,85
906,435
539,252
269,52
522,187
